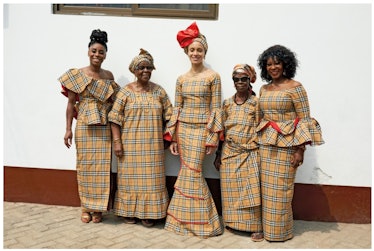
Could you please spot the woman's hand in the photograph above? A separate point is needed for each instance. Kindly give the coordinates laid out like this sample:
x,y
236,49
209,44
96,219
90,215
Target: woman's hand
x,y
118,149
68,138
210,149
297,158
217,162
174,148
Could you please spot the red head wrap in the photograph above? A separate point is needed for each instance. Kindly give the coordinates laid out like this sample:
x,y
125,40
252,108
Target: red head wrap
x,y
188,36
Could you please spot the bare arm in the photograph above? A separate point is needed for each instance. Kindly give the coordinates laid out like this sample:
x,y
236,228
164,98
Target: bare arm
x,y
116,133
69,119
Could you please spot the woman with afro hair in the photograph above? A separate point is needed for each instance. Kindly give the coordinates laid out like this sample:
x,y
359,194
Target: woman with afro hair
x,y
283,133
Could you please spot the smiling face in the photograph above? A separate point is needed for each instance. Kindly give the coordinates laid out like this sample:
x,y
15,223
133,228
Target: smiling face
x,y
96,54
274,68
241,82
143,71
196,53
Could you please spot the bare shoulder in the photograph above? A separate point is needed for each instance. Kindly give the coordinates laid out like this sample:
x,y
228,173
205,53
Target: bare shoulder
x,y
293,83
266,87
107,74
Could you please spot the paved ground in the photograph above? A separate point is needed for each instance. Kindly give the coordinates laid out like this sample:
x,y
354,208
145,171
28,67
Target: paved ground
x,y
44,226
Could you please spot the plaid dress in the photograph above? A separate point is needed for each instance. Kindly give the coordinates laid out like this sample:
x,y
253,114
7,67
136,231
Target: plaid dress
x,y
195,124
141,183
286,123
240,166
92,136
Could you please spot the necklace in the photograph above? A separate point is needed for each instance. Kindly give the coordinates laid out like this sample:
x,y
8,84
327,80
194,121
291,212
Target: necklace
x,y
235,97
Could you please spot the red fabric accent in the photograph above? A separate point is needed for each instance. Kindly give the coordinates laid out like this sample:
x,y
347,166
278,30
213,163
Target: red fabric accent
x,y
188,196
167,136
276,127
188,222
65,93
222,136
296,122
210,145
186,37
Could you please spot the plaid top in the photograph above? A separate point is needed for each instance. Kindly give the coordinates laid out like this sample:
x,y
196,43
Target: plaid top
x,y
135,109
198,100
93,99
286,119
241,122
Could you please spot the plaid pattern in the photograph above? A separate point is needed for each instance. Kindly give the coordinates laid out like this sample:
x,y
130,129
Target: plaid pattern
x,y
198,100
92,137
240,169
286,123
277,188
141,180
74,80
283,109
93,144
192,210
94,95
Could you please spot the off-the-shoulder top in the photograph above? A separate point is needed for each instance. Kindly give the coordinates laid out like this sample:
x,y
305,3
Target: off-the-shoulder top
x,y
286,118
94,96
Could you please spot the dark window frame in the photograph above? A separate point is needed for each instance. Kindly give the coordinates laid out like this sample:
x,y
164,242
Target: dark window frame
x,y
135,10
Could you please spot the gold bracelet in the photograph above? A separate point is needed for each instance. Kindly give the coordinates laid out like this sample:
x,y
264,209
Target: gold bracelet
x,y
117,140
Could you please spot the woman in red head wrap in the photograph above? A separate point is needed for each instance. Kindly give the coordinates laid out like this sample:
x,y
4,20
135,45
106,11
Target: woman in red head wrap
x,y
193,130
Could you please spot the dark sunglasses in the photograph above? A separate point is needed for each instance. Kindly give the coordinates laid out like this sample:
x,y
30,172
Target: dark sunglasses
x,y
243,79
142,67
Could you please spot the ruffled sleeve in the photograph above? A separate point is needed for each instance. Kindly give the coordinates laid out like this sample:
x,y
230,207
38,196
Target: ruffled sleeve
x,y
116,115
74,80
298,129
166,104
215,127
170,131
94,97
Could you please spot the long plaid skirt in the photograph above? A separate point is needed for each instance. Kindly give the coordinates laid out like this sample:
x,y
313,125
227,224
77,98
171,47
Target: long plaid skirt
x,y
93,144
277,188
240,188
192,210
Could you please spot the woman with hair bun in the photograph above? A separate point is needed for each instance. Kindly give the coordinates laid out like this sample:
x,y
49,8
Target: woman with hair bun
x,y
91,91
193,130
138,117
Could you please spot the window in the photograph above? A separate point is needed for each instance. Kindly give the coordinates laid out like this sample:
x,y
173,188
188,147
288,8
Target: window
x,y
190,11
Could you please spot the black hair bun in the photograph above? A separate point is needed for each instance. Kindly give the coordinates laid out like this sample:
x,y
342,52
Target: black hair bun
x,y
99,36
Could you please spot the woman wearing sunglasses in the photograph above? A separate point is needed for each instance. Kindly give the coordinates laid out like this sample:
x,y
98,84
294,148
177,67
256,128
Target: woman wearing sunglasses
x,y
238,161
138,117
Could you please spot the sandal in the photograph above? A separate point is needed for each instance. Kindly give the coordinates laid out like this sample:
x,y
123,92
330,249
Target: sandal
x,y
86,217
257,236
97,217
148,223
130,220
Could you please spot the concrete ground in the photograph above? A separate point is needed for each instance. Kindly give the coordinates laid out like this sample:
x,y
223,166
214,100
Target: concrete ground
x,y
39,226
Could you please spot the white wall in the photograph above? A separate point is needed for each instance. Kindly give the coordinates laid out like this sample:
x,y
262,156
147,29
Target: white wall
x,y
332,41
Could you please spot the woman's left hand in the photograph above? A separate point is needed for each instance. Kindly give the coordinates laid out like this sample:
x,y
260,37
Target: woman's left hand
x,y
297,158
210,149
